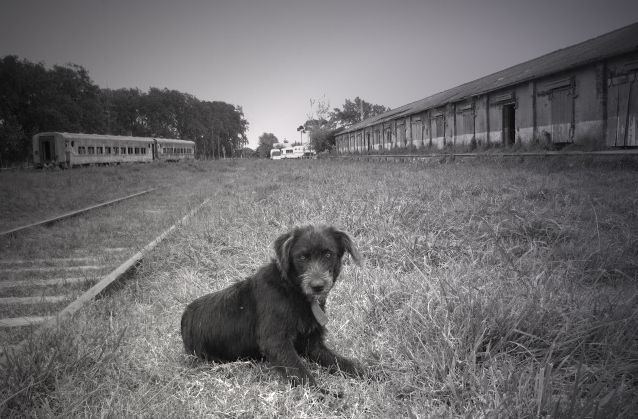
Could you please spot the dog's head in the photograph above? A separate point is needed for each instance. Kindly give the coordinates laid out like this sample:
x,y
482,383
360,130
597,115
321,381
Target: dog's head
x,y
312,256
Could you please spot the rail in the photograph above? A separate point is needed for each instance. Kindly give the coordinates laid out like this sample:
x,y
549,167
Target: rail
x,y
73,213
630,152
95,290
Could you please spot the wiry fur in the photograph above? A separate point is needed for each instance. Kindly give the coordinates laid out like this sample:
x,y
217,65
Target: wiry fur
x,y
268,315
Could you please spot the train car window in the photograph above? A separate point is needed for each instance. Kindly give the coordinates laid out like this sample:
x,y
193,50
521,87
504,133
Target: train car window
x,y
107,150
100,150
116,150
143,151
137,150
91,150
72,143
130,150
81,150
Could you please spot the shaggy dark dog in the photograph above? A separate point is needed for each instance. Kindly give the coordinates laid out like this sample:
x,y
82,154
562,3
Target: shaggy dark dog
x,y
278,314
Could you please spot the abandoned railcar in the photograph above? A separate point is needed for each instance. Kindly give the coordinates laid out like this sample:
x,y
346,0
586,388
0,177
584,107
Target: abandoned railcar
x,y
75,149
585,94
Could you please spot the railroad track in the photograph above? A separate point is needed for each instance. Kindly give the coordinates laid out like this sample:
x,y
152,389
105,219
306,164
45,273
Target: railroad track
x,y
35,288
36,293
73,213
545,154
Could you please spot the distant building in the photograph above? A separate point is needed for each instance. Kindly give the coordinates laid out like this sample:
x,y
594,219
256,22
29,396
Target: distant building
x,y
584,94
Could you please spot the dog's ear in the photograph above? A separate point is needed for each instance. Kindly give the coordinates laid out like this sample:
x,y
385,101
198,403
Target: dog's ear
x,y
347,245
282,246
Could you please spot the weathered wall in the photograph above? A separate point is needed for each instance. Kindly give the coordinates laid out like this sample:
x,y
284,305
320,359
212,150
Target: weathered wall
x,y
594,105
622,101
480,120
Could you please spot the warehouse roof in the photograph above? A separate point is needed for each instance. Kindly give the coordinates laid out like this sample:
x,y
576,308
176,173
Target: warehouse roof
x,y
620,41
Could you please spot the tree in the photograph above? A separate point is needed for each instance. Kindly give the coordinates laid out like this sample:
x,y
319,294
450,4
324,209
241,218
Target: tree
x,y
34,99
267,141
354,111
302,130
320,126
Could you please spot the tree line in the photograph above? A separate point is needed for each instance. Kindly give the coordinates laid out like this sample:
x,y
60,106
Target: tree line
x,y
34,98
322,123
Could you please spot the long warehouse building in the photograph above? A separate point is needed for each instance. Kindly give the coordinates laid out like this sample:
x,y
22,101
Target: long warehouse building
x,y
585,94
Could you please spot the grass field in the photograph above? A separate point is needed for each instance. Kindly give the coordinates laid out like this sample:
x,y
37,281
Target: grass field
x,y
497,289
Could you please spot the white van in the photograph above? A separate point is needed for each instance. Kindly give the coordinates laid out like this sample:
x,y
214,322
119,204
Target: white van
x,y
288,153
275,154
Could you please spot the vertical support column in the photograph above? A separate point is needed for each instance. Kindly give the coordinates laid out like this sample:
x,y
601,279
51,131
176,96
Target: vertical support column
x,y
487,118
603,90
532,88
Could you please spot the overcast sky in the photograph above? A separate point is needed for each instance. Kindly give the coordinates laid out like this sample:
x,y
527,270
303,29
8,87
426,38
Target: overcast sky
x,y
272,57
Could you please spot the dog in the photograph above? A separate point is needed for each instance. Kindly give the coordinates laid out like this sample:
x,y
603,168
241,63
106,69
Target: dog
x,y
278,314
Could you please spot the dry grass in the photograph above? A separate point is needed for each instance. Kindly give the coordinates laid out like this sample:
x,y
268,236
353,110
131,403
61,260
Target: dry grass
x,y
501,290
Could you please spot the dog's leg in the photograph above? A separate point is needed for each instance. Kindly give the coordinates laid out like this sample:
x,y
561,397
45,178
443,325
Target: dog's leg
x,y
283,357
319,353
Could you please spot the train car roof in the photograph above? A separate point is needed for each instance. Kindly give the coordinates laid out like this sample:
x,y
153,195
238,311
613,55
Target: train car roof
x,y
168,140
80,136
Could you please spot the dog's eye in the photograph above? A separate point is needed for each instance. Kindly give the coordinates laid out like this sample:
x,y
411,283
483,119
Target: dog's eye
x,y
327,255
302,257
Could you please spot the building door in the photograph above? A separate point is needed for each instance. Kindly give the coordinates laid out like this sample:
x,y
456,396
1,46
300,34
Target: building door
x,y
417,133
468,126
509,124
562,115
622,111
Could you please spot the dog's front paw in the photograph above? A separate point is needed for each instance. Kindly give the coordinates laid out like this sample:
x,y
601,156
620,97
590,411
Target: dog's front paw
x,y
336,394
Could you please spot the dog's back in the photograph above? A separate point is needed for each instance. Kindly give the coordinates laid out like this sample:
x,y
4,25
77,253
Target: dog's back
x,y
218,326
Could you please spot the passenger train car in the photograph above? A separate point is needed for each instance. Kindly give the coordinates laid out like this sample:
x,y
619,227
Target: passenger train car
x,y
69,149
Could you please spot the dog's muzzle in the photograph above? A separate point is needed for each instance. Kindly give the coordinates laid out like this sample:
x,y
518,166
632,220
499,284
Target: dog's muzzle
x,y
316,282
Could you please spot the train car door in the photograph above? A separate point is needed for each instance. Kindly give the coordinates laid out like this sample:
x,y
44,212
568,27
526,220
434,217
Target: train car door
x,y
47,149
154,149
